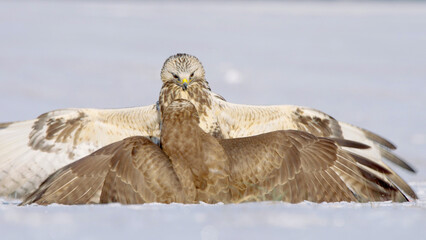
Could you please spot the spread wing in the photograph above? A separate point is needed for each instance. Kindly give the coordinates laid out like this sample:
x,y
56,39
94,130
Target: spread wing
x,y
131,171
295,166
238,120
32,150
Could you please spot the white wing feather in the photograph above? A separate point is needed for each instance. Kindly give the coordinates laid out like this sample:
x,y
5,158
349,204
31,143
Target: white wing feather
x,y
237,120
31,150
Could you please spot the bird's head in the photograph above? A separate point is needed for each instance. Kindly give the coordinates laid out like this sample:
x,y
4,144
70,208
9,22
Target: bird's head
x,y
183,70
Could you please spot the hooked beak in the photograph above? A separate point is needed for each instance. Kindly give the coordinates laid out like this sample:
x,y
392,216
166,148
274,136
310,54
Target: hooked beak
x,y
185,84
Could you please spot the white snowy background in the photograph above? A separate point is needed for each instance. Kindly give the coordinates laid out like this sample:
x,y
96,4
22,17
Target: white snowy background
x,y
361,62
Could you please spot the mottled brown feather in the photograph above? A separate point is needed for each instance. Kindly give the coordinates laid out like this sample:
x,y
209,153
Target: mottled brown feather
x,y
131,171
189,147
290,166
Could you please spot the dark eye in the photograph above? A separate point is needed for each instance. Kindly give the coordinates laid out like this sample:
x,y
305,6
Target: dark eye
x,y
192,74
175,76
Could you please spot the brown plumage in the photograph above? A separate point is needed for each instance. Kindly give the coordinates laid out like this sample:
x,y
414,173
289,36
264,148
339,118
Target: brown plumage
x,y
133,170
32,150
193,166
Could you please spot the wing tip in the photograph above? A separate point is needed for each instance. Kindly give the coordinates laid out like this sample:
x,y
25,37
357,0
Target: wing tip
x,y
397,160
32,197
381,140
371,136
5,125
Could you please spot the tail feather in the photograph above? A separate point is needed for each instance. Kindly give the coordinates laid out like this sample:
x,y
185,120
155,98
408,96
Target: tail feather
x,y
402,185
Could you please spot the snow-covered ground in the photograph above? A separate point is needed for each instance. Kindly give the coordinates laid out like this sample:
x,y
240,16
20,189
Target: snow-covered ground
x,y
364,63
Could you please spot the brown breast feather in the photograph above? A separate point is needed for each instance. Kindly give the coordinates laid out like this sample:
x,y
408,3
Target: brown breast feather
x,y
199,161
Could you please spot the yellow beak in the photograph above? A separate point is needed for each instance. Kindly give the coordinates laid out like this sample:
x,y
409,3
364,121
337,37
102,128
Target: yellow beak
x,y
185,84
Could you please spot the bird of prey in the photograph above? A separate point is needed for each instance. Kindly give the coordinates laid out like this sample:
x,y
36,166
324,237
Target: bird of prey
x,y
194,166
32,150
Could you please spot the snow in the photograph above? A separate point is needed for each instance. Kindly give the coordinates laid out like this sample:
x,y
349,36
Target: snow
x,y
269,220
363,63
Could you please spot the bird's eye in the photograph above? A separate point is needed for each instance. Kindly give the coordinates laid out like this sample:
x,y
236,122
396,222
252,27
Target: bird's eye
x,y
175,76
192,75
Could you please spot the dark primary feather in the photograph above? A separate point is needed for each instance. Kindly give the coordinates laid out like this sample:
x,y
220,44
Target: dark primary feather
x,y
378,139
351,144
397,160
